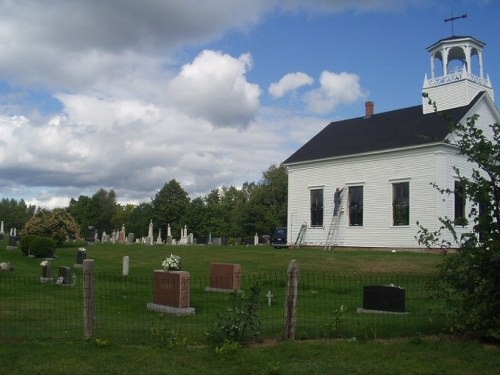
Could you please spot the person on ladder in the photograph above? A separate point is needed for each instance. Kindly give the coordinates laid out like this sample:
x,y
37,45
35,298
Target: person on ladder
x,y
337,199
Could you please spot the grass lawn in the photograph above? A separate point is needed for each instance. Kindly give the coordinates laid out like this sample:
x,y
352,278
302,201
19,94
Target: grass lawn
x,y
419,355
30,311
253,259
328,280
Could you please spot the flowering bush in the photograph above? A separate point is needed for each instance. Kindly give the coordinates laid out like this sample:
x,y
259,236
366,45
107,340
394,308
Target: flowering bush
x,y
172,263
56,224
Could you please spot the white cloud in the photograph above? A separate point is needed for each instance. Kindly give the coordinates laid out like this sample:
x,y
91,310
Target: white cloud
x,y
214,87
131,119
335,89
290,82
134,148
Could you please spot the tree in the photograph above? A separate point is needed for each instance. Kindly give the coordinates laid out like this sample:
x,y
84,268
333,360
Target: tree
x,y
268,200
196,217
169,207
122,216
139,219
104,204
83,212
97,211
57,224
469,280
15,214
214,218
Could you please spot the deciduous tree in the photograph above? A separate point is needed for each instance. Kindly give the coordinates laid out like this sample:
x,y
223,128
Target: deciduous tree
x,y
469,280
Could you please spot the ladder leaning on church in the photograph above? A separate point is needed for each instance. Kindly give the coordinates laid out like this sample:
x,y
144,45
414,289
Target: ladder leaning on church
x,y
300,236
334,225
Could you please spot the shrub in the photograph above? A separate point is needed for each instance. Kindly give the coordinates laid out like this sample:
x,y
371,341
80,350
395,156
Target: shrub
x,y
43,247
57,224
240,322
26,242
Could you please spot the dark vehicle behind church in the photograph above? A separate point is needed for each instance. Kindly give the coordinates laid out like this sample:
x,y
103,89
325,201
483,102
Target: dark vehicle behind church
x,y
279,238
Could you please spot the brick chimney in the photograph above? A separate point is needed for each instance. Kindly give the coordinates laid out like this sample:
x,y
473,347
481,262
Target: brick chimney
x,y
369,109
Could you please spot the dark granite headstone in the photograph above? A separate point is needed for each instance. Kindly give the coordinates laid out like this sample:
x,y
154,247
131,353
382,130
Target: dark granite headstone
x,y
80,256
384,298
12,240
91,232
65,276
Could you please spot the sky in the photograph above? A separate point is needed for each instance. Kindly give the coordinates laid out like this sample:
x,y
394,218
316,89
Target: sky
x,y
128,95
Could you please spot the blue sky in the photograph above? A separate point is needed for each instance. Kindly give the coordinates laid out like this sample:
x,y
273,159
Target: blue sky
x,y
127,95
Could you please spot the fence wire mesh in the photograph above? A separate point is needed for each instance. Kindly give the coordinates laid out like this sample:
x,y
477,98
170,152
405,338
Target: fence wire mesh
x,y
327,306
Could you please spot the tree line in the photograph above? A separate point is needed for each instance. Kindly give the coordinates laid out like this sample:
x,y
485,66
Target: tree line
x,y
256,207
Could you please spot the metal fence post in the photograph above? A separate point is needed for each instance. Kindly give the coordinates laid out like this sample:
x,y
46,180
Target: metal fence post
x,y
291,299
89,290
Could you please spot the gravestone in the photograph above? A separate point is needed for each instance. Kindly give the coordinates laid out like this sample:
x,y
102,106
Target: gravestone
x,y
81,255
126,265
91,233
130,237
65,276
122,236
159,240
384,298
171,293
224,277
13,241
46,273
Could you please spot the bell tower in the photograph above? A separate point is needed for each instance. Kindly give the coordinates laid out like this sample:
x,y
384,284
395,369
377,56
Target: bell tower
x,y
457,73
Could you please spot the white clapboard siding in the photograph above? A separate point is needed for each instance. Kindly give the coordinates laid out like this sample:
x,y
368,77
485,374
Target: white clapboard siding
x,y
376,173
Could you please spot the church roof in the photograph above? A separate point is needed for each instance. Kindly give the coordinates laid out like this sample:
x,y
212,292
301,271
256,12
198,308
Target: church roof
x,y
407,127
456,38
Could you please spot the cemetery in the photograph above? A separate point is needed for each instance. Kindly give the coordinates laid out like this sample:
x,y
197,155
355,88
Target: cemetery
x,y
133,287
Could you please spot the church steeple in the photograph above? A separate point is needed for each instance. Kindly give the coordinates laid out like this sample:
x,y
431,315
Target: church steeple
x,y
462,75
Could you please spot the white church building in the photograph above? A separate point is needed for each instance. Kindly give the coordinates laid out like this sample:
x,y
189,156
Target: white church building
x,y
387,162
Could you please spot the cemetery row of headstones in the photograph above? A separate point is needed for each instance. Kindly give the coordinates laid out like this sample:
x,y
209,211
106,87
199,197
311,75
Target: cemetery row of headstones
x,y
121,237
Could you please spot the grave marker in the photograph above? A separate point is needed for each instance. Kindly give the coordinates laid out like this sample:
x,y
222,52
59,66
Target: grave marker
x,y
384,298
171,293
66,276
224,277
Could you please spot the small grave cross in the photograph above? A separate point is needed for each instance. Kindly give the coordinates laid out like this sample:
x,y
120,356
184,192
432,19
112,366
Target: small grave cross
x,y
269,296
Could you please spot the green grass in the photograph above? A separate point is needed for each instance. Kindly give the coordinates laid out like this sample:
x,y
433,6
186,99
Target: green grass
x,y
254,259
328,279
41,324
417,355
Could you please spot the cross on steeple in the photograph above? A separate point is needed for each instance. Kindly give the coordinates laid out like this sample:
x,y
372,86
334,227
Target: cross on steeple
x,y
453,19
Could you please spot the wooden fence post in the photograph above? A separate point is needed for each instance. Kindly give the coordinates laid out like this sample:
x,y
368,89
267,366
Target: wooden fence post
x,y
291,299
89,290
